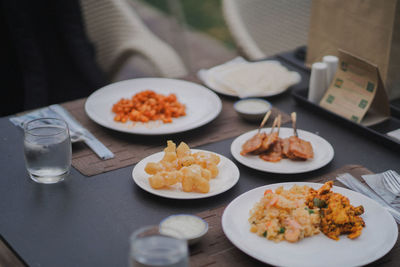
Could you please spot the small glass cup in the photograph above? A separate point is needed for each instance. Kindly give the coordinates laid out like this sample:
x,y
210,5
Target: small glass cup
x,y
47,148
152,246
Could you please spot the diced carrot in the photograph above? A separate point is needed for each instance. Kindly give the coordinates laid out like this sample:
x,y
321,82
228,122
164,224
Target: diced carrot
x,y
148,105
268,191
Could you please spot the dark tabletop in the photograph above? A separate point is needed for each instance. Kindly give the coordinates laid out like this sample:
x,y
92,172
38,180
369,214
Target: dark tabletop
x,y
86,221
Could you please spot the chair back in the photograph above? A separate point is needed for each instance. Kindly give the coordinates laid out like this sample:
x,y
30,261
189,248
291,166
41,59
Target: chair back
x,y
118,33
263,28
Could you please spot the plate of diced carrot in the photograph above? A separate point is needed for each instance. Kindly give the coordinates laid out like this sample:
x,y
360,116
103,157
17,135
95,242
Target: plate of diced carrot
x,y
153,106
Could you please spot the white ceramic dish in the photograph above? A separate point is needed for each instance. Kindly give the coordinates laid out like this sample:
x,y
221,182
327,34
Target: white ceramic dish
x,y
202,105
233,76
228,176
377,238
253,109
323,154
195,227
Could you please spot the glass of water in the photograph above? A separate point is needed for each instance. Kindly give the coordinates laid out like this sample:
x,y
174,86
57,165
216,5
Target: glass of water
x,y
151,246
47,148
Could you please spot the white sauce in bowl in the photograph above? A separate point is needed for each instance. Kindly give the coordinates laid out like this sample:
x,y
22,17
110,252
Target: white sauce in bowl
x,y
255,106
188,226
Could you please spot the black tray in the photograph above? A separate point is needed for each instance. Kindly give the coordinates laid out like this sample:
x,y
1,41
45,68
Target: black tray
x,y
293,58
395,108
376,132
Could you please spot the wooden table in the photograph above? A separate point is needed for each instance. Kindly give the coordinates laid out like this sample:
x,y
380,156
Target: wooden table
x,y
86,221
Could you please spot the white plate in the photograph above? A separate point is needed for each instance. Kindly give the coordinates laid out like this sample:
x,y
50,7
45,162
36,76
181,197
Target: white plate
x,y
323,154
219,89
202,105
226,179
212,78
377,238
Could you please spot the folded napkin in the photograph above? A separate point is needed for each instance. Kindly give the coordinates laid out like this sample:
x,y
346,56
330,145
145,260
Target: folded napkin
x,y
77,131
241,78
394,134
375,181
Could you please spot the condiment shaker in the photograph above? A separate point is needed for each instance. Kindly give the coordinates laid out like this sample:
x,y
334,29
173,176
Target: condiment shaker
x,y
318,82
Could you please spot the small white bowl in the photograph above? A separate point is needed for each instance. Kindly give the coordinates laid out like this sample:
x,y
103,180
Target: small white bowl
x,y
252,109
190,227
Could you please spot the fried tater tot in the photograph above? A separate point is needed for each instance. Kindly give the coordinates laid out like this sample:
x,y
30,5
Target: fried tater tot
x,y
192,171
190,174
213,169
153,167
169,156
183,150
201,184
186,161
208,161
170,178
178,165
183,154
205,157
206,174
169,166
187,183
170,152
171,146
157,181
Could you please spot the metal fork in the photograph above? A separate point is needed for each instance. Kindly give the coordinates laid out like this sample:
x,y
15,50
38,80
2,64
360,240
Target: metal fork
x,y
391,180
351,182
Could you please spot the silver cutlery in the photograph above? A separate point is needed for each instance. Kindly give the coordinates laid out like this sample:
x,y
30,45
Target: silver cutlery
x,y
354,184
77,131
81,133
391,180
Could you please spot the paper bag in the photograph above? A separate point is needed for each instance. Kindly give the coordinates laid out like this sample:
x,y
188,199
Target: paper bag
x,y
369,29
357,92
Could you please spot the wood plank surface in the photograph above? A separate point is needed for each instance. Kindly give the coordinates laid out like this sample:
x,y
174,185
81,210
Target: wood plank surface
x,y
129,148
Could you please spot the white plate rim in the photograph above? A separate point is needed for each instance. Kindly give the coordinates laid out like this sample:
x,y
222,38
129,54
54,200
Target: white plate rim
x,y
226,93
239,244
184,195
212,96
205,80
237,142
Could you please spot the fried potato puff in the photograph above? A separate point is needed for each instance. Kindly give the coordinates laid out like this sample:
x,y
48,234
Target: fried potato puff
x,y
170,152
164,179
207,161
184,155
153,167
193,180
178,165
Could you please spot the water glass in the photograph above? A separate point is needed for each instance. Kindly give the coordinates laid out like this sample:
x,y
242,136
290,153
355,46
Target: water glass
x,y
152,246
47,148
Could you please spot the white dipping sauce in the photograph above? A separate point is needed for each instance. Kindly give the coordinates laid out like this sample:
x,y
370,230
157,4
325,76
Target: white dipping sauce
x,y
252,106
189,226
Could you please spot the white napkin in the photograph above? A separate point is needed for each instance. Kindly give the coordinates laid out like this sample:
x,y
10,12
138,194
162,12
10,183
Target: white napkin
x,y
77,131
375,182
241,78
395,134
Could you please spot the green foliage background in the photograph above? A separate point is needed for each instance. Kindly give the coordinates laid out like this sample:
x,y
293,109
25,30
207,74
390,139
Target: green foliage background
x,y
202,15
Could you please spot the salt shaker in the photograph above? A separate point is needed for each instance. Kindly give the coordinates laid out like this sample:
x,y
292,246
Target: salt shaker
x,y
332,63
318,82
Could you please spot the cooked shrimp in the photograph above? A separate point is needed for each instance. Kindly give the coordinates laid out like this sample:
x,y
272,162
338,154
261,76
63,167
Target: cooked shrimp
x,y
292,231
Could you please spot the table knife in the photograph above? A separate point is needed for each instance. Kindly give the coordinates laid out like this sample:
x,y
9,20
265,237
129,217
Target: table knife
x,y
101,150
